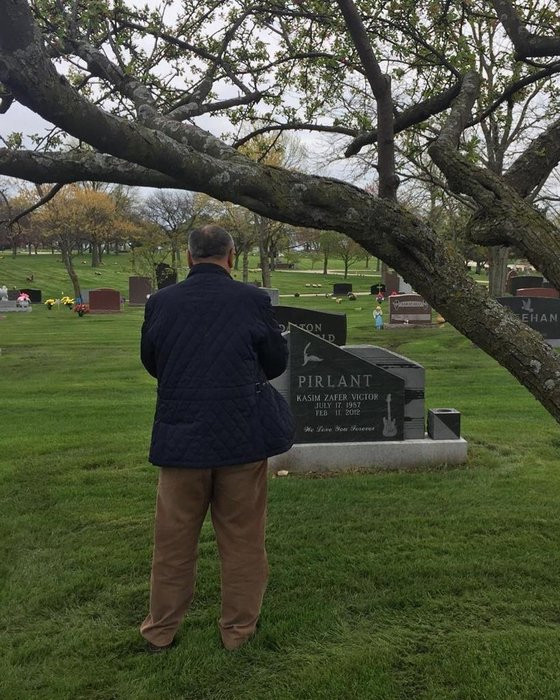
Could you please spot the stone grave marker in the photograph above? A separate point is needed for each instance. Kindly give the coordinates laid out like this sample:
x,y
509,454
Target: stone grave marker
x,y
539,313
165,275
104,301
524,281
273,293
547,292
341,289
138,290
35,295
338,397
326,324
13,294
510,275
414,377
409,309
376,288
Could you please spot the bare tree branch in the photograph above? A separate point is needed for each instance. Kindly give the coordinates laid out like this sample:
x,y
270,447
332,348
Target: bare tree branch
x,y
526,44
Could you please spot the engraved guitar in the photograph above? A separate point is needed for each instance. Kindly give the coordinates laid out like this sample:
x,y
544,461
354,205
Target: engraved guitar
x,y
389,424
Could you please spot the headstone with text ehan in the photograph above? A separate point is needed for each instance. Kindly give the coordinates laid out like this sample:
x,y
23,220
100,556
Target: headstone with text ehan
x,y
338,397
327,325
541,314
409,309
104,301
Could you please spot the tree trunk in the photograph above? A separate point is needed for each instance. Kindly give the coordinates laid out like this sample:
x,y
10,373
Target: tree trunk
x,y
497,274
95,260
325,263
67,259
246,265
346,268
263,252
14,248
236,261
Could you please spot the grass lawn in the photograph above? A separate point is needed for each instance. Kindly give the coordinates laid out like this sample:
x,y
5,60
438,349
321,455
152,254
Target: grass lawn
x,y
438,584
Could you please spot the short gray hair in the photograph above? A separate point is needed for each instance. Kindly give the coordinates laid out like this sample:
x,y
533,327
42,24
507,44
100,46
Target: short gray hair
x,y
210,241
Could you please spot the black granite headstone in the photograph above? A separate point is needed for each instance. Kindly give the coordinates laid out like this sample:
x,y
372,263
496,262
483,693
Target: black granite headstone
x,y
338,397
35,295
524,281
329,326
341,289
165,275
540,313
13,294
376,288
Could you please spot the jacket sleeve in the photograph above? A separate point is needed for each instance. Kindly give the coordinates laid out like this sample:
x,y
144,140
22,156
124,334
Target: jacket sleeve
x,y
147,348
272,348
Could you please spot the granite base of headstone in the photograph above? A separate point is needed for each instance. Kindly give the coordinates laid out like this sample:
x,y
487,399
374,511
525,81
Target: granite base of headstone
x,y
409,310
341,289
444,424
104,301
7,305
328,325
139,289
541,314
543,292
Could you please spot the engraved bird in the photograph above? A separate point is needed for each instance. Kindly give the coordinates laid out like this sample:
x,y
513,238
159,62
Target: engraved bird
x,y
526,306
309,358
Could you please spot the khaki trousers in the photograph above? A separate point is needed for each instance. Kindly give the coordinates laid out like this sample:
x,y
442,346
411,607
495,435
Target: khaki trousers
x,y
237,499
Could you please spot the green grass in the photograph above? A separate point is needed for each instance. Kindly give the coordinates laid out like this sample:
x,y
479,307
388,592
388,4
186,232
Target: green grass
x,y
436,584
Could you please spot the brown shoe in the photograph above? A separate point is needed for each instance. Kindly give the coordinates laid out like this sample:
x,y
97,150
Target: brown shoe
x,y
155,649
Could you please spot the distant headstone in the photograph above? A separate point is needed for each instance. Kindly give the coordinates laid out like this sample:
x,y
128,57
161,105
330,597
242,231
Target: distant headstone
x,y
13,305
327,325
35,295
510,275
409,309
165,275
391,279
414,377
4,293
338,397
376,288
341,289
104,301
139,288
85,296
274,295
524,281
13,294
547,292
541,314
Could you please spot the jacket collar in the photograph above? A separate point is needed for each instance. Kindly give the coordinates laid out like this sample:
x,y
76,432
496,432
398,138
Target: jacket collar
x,y
212,268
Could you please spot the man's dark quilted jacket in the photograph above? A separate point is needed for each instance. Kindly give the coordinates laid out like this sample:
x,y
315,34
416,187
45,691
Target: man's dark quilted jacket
x,y
212,343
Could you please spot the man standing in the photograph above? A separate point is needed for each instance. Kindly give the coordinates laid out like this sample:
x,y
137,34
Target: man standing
x,y
212,343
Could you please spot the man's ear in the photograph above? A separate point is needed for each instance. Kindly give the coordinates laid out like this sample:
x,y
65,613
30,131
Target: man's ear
x,y
231,259
189,258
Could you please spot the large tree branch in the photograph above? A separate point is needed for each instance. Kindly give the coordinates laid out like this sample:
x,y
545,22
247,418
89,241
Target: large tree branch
x,y
408,117
526,44
538,160
381,87
504,217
